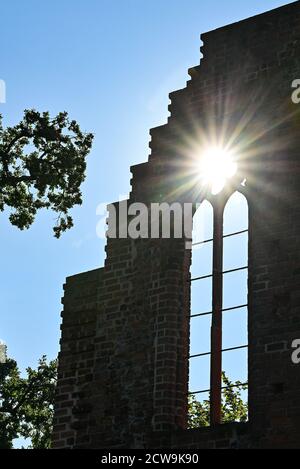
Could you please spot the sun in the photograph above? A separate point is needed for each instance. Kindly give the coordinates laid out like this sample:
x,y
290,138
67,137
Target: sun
x,y
216,166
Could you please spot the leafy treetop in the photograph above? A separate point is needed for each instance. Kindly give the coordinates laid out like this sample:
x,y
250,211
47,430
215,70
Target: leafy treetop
x,y
42,165
234,409
26,404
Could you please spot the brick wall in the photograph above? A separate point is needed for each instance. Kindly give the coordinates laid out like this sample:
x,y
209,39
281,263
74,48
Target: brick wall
x,y
123,370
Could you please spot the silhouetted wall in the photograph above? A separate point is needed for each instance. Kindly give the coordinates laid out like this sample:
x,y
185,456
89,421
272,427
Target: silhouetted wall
x,y
123,372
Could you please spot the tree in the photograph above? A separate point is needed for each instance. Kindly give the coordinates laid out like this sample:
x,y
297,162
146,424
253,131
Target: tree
x,y
42,165
26,404
234,409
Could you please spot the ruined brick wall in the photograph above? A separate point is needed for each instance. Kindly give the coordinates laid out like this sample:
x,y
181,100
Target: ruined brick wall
x,y
76,360
123,370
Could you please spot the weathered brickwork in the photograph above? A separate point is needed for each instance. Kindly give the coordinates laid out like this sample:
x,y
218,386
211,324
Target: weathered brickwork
x,y
123,371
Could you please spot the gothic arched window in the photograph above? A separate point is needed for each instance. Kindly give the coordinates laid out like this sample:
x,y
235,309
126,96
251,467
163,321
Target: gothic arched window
x,y
219,309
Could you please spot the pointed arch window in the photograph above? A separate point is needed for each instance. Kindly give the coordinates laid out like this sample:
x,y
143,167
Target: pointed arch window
x,y
219,305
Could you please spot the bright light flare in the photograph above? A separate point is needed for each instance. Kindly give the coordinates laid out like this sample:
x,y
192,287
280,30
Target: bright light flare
x,y
216,166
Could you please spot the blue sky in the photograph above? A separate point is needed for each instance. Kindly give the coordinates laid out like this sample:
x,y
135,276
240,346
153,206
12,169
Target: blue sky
x,y
111,65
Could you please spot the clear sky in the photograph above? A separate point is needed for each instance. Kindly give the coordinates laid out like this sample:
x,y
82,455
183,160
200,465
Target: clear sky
x,y
111,65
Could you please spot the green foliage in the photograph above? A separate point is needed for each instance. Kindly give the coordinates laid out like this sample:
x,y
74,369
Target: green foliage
x,y
198,413
26,404
42,165
234,409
